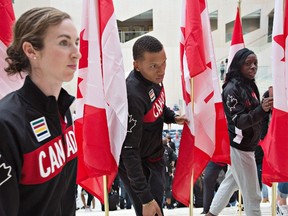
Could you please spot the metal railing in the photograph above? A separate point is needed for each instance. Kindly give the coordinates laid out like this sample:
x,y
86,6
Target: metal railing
x,y
129,35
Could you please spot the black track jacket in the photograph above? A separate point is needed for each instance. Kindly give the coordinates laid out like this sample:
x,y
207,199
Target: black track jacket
x,y
244,113
147,112
38,154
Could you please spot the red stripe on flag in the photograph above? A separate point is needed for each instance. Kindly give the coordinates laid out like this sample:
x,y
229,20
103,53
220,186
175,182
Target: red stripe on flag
x,y
237,36
6,21
237,42
275,143
222,147
269,175
106,10
194,39
190,158
276,149
93,148
209,97
7,18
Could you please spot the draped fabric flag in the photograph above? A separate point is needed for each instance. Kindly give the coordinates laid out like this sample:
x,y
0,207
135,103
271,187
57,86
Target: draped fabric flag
x,y
7,83
203,101
275,167
101,108
237,41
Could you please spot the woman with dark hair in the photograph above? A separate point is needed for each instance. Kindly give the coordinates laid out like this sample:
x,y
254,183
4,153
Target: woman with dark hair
x,y
38,151
244,113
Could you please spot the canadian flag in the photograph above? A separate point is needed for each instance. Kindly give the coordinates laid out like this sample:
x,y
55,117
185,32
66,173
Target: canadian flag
x,y
237,41
275,167
207,129
102,108
7,83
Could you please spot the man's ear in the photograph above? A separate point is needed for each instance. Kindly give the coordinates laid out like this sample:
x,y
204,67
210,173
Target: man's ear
x,y
136,65
29,50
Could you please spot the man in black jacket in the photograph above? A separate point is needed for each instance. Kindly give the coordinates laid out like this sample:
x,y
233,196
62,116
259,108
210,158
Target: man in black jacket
x,y
141,166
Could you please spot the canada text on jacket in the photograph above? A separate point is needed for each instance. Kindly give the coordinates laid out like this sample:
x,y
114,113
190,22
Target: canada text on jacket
x,y
49,159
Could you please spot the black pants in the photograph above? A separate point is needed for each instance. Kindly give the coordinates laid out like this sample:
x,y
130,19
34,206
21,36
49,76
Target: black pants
x,y
90,198
210,180
155,175
168,185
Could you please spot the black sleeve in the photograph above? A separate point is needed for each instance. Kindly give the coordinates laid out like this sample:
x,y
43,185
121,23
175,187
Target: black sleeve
x,y
264,129
236,110
173,146
130,154
169,115
173,156
10,168
265,121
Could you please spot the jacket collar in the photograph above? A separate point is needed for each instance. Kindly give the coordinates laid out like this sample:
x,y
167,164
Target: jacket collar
x,y
139,76
46,104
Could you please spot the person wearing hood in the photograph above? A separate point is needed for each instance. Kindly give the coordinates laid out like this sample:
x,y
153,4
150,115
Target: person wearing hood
x,y
244,112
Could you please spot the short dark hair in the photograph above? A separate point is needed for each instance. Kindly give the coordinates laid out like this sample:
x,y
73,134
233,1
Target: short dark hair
x,y
146,44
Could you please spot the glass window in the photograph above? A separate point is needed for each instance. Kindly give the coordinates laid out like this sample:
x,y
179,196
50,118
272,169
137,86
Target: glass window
x,y
270,25
135,26
250,22
214,20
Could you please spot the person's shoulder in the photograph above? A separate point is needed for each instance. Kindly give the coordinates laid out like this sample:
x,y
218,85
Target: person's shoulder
x,y
229,86
10,106
232,85
136,90
132,82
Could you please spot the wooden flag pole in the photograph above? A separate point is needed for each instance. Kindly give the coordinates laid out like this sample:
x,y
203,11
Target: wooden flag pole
x,y
191,194
192,171
240,202
239,6
105,189
239,192
274,199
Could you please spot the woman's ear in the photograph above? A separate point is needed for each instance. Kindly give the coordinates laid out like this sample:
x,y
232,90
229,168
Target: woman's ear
x,y
29,50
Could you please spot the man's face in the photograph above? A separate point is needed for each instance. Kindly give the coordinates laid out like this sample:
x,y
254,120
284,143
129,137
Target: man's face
x,y
152,66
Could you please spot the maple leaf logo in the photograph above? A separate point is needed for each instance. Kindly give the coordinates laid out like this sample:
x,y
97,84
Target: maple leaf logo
x,y
231,102
5,173
131,123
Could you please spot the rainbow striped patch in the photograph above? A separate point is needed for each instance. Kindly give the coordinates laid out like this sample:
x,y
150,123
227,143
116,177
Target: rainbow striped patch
x,y
40,128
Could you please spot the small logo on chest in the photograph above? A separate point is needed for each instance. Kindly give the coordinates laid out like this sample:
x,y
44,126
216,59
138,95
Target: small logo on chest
x,y
40,129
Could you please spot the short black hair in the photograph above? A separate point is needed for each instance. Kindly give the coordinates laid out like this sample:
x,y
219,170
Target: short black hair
x,y
146,44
